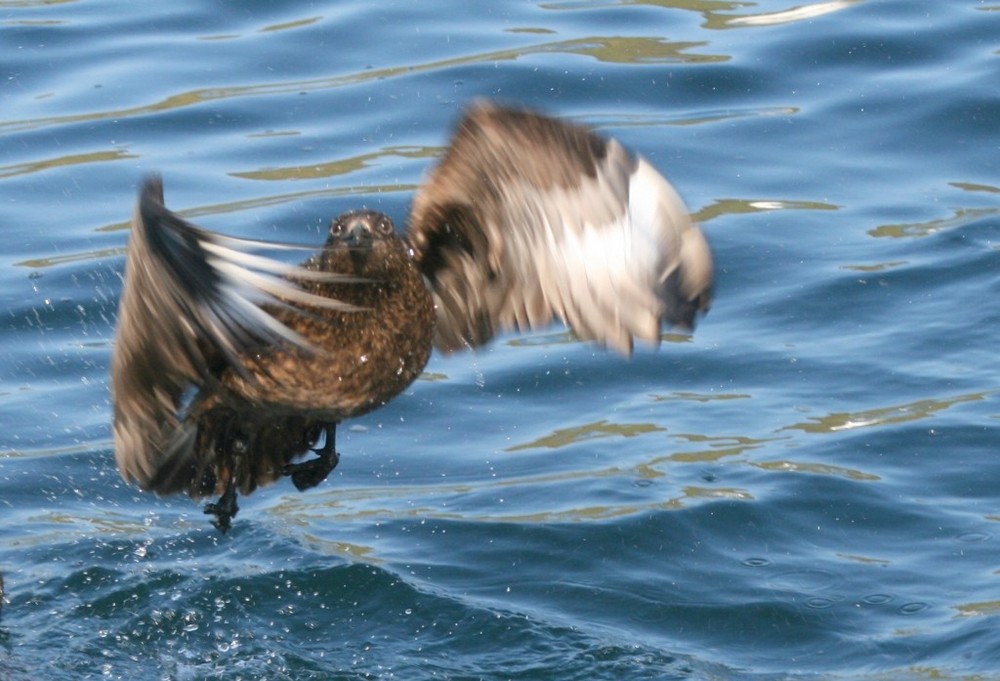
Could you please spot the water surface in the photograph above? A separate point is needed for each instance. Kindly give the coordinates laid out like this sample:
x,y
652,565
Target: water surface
x,y
807,488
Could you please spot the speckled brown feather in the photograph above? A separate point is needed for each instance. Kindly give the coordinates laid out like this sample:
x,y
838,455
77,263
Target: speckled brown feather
x,y
250,418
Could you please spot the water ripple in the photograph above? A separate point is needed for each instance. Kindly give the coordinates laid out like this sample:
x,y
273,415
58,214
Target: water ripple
x,y
603,49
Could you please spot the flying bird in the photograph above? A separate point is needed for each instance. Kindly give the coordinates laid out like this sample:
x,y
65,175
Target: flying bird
x,y
232,369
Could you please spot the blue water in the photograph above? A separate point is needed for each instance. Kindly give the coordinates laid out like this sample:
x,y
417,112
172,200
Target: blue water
x,y
807,488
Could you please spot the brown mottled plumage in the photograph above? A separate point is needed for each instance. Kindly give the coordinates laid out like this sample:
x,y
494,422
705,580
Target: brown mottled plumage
x,y
229,366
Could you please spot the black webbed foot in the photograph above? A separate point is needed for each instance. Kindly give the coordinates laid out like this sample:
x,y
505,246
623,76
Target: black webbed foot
x,y
310,473
224,509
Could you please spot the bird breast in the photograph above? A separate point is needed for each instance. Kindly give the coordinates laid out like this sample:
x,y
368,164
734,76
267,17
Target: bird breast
x,y
359,360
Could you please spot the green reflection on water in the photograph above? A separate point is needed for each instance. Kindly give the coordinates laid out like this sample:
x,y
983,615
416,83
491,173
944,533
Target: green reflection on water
x,y
816,468
11,4
590,431
902,413
716,447
974,187
61,161
699,397
635,50
864,560
877,267
978,609
960,218
290,24
743,206
530,29
339,167
274,133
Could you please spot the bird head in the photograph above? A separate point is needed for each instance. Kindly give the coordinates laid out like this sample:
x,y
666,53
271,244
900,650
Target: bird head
x,y
362,234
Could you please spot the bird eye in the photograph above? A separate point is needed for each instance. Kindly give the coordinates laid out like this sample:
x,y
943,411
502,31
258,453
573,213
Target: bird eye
x,y
385,227
337,227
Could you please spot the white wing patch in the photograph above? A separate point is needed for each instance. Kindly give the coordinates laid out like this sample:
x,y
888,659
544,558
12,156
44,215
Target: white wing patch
x,y
604,252
679,237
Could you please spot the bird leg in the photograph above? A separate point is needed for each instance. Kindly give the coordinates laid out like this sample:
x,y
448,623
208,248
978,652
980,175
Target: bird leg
x,y
314,471
225,508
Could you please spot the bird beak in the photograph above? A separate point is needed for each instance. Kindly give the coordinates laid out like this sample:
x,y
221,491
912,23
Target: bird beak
x,y
358,238
359,245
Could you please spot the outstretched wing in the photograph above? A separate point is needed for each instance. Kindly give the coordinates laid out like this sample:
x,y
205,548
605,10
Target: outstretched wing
x,y
528,218
194,303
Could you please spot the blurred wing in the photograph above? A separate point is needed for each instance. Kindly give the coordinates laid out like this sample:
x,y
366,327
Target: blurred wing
x,y
194,303
528,218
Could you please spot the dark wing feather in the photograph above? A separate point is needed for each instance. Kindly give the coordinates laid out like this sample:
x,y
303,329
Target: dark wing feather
x,y
193,304
528,218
